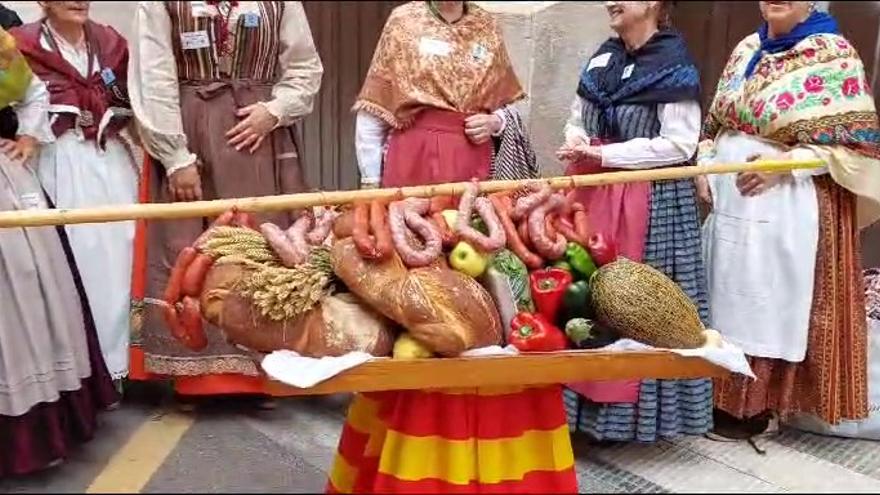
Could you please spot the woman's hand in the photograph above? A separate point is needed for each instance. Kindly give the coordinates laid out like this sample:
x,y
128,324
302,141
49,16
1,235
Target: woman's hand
x,y
752,184
481,127
704,192
580,152
23,148
249,133
186,184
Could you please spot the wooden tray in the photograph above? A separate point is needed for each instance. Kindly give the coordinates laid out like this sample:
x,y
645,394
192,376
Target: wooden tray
x,y
528,369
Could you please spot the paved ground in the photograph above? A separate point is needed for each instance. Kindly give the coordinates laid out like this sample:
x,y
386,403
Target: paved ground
x,y
146,447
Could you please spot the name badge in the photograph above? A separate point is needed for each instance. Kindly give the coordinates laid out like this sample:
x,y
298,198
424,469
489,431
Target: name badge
x,y
628,71
599,61
31,201
430,46
251,20
108,76
194,40
479,53
200,9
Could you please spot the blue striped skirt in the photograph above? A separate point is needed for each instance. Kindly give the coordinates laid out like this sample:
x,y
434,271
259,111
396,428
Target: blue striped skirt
x,y
665,408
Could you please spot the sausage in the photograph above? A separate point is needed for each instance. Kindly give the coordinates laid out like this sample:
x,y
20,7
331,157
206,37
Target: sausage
x,y
469,201
449,237
440,203
433,244
550,248
246,220
194,277
281,245
380,230
580,221
172,319
418,205
361,232
397,224
550,224
528,203
466,207
523,230
225,219
193,326
323,224
514,242
296,234
175,280
566,227
343,225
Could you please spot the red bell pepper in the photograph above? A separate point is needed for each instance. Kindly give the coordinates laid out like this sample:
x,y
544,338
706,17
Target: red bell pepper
x,y
603,250
548,288
532,332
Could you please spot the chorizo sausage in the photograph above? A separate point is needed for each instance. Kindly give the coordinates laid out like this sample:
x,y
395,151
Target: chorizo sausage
x,y
323,224
523,230
296,234
514,242
528,203
343,225
449,237
550,224
397,224
580,221
361,232
193,326
172,320
432,243
245,220
469,201
281,245
194,277
549,248
175,280
380,230
565,227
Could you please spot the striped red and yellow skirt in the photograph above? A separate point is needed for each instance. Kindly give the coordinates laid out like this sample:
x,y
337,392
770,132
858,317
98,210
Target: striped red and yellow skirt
x,y
486,440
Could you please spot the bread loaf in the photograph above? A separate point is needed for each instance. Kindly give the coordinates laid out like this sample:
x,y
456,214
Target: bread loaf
x,y
445,310
339,324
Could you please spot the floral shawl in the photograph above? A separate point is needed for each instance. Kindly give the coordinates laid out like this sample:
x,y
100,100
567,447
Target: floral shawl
x,y
814,96
422,62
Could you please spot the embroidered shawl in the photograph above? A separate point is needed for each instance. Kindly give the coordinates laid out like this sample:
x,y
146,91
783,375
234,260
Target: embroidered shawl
x,y
814,95
422,62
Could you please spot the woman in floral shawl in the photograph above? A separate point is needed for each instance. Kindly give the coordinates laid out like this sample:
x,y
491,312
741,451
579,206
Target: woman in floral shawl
x,y
782,250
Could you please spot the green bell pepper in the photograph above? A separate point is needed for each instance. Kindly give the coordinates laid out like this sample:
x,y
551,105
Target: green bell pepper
x,y
563,265
576,303
580,260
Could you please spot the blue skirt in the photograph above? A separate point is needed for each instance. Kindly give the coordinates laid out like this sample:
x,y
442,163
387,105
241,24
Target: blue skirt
x,y
666,408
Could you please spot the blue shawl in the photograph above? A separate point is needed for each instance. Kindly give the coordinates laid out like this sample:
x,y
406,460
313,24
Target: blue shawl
x,y
662,72
817,23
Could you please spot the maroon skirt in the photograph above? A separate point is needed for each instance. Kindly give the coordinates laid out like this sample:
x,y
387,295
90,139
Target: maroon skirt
x,y
50,430
435,150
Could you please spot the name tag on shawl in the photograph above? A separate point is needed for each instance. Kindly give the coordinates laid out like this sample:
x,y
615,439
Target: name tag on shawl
x,y
108,76
628,71
194,40
251,20
31,201
430,46
599,61
200,9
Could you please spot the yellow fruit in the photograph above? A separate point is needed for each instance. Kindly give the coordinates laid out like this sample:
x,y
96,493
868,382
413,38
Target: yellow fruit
x,y
406,347
468,260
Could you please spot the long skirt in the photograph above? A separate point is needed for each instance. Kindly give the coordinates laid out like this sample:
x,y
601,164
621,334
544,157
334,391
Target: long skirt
x,y
208,112
77,174
53,380
478,440
831,381
664,408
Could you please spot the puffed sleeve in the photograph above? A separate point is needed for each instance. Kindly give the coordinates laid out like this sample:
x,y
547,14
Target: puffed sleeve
x,y
153,88
33,113
301,71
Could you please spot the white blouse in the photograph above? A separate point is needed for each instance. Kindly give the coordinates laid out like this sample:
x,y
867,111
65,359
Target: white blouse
x,y
370,137
677,142
33,112
153,83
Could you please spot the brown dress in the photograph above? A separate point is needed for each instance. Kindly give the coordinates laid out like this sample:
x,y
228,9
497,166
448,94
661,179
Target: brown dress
x,y
213,84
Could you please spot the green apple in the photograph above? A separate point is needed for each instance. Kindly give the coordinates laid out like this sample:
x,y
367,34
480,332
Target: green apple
x,y
468,260
451,217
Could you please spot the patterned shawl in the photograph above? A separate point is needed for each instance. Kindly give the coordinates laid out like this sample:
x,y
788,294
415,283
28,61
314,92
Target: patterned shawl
x,y
422,62
872,292
661,71
814,95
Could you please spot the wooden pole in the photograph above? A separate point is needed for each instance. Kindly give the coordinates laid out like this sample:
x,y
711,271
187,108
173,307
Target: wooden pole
x,y
167,211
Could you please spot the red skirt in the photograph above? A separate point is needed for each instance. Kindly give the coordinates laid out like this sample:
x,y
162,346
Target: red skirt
x,y
435,150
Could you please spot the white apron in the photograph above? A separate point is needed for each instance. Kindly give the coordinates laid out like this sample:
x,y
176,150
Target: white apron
x,y
760,255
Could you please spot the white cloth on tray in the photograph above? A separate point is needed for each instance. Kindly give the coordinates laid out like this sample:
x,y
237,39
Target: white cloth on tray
x,y
727,356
